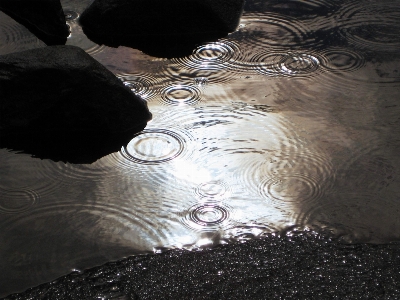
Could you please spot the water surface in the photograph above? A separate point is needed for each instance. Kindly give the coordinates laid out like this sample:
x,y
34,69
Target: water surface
x,y
292,120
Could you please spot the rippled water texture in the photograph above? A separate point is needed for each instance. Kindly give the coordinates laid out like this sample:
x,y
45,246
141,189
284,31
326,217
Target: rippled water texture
x,y
293,119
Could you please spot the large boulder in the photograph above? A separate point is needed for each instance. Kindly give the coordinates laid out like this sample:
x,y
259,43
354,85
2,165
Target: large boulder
x,y
160,27
44,18
58,102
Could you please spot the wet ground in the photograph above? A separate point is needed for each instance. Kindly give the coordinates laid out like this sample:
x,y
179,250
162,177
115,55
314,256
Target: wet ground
x,y
295,265
293,119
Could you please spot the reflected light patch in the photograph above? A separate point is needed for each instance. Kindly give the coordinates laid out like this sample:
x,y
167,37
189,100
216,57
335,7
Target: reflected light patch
x,y
191,172
204,242
184,240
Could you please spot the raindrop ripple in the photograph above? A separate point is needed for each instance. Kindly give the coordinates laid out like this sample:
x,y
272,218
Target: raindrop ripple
x,y
216,62
293,188
290,64
15,37
342,60
213,190
372,26
154,146
180,95
144,85
16,201
207,216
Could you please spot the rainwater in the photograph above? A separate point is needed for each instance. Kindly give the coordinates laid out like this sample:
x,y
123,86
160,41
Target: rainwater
x,y
291,120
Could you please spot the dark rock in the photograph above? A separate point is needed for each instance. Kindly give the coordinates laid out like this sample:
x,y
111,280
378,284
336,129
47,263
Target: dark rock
x,y
44,18
60,103
161,28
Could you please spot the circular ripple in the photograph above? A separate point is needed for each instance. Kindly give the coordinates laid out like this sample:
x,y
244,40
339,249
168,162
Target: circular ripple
x,y
374,36
243,152
23,173
373,25
206,216
201,81
95,223
367,168
97,171
273,30
290,189
287,179
189,76
154,146
268,63
212,55
16,201
70,15
15,37
310,9
181,95
308,162
286,64
342,59
213,52
93,49
79,39
143,85
215,62
295,64
213,190
356,216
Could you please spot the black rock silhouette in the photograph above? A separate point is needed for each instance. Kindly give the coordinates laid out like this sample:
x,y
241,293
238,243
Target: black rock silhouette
x,y
44,18
58,102
160,28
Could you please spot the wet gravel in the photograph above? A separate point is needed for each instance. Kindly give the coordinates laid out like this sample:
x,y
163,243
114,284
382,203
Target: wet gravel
x,y
295,265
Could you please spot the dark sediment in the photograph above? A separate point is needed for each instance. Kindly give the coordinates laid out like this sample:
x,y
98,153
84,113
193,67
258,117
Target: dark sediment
x,y
44,18
160,28
58,102
299,265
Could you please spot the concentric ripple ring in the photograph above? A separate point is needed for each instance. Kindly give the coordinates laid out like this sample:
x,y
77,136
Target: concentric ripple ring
x,y
290,189
154,146
16,201
181,95
213,190
206,216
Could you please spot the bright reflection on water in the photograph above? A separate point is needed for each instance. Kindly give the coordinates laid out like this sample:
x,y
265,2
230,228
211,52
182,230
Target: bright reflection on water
x,y
291,120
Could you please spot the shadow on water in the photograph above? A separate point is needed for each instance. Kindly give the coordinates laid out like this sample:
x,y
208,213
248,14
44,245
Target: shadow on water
x,y
69,254
301,9
159,45
72,147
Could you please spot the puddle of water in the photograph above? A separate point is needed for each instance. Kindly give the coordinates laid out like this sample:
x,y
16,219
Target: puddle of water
x,y
291,120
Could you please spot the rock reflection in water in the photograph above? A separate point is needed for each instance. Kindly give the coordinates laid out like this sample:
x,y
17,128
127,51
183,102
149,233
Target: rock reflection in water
x,y
15,37
291,120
